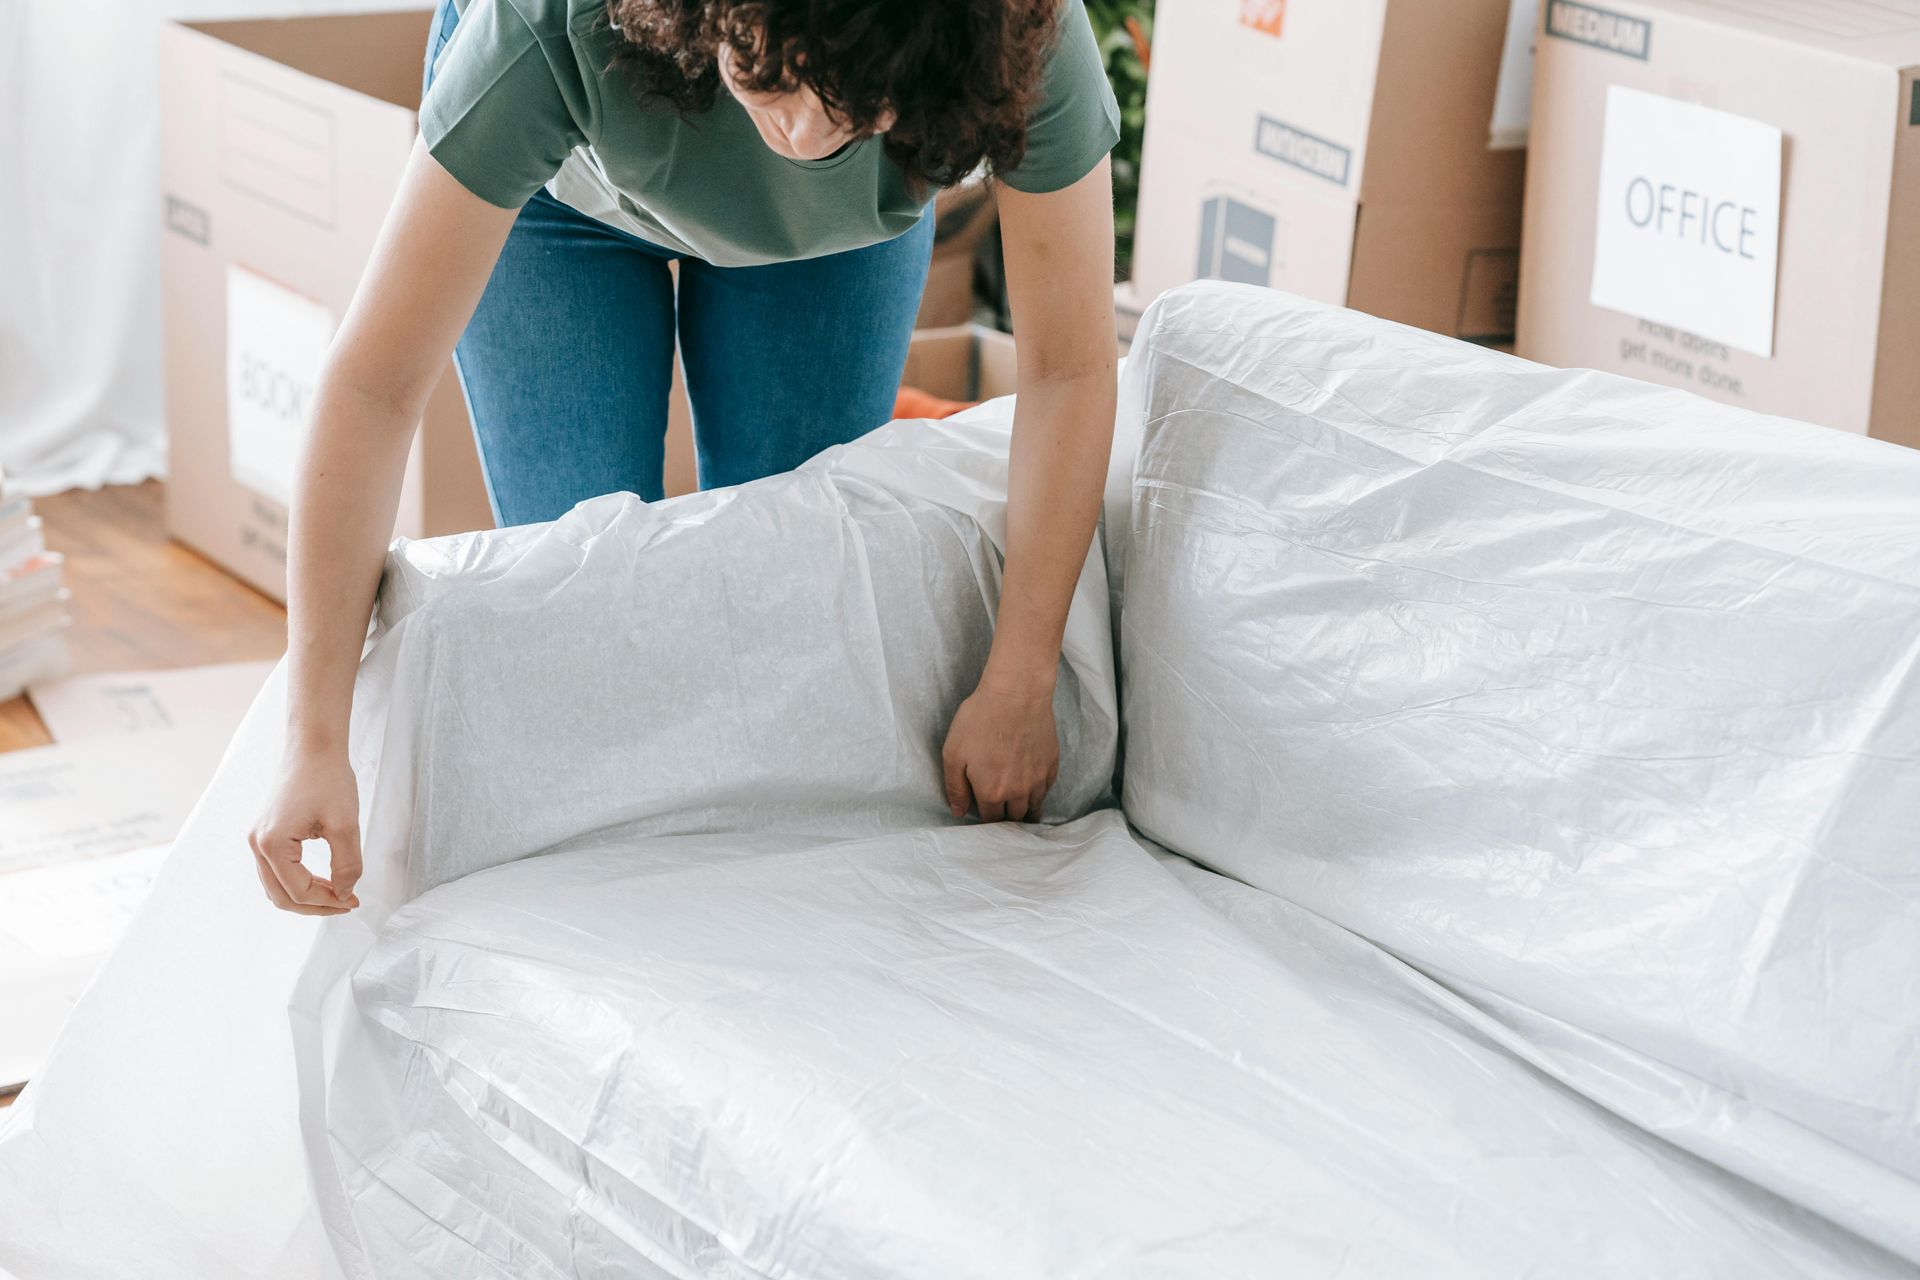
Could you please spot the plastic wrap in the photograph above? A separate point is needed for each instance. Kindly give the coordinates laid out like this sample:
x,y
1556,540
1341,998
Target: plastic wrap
x,y
972,1052
784,656
1579,715
782,653
1598,702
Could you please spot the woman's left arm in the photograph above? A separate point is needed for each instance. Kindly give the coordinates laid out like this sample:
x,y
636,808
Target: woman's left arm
x,y
1002,751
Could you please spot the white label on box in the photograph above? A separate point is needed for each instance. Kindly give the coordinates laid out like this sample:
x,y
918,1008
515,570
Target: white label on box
x,y
276,342
1689,218
1513,93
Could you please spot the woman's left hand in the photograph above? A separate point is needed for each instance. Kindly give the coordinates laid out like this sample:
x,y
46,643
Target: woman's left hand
x,y
1002,750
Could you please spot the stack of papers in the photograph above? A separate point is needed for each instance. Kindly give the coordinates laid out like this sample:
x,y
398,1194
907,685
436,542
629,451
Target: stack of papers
x,y
33,599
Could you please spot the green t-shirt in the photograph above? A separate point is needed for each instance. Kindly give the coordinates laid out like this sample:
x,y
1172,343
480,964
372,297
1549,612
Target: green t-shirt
x,y
525,95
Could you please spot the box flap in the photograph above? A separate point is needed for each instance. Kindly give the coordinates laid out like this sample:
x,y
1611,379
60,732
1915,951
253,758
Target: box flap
x,y
377,54
1885,32
1428,139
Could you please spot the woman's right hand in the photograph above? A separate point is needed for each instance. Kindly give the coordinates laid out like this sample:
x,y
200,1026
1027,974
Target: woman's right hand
x,y
429,267
315,799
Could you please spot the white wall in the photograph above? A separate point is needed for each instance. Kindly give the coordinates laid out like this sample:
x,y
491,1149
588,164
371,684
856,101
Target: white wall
x,y
80,209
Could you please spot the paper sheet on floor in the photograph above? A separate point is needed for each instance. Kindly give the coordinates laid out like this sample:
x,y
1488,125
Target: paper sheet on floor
x,y
97,705
56,925
85,824
107,795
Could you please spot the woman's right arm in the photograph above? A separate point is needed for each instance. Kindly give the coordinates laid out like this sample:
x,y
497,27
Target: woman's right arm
x,y
429,267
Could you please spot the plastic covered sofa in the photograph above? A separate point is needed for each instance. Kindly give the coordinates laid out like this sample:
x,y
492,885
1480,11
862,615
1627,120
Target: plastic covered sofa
x,y
1515,871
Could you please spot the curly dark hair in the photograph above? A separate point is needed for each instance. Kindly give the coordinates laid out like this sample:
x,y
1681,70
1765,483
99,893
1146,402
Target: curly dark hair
x,y
960,76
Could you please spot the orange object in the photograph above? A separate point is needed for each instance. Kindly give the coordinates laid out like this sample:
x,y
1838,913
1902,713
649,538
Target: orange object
x,y
1269,16
912,402
1140,45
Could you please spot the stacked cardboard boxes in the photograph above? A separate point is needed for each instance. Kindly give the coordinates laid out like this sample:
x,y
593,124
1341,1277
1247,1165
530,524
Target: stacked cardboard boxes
x,y
282,143
1726,198
1339,149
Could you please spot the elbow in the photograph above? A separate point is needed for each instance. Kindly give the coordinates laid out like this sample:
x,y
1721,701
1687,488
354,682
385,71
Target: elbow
x,y
367,396
1085,367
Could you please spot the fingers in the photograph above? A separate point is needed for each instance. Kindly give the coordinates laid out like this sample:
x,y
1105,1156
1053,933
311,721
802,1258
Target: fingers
x,y
277,893
1039,797
959,794
997,790
996,802
344,844
279,856
1009,801
989,799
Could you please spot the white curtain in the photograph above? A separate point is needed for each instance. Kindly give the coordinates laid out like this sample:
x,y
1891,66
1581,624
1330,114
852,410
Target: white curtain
x,y
80,378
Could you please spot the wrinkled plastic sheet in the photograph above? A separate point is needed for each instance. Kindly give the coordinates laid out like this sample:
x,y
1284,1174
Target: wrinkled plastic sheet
x,y
775,1015
973,1052
1598,703
782,656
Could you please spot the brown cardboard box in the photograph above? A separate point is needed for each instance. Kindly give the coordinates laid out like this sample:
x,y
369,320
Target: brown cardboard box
x,y
963,215
282,142
962,362
1338,149
1837,79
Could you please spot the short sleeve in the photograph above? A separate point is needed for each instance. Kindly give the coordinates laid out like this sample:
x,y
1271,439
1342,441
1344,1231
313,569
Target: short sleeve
x,y
497,116
1078,120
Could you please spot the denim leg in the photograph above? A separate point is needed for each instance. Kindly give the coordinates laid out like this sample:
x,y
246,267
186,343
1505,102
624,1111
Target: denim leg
x,y
569,358
785,360
567,363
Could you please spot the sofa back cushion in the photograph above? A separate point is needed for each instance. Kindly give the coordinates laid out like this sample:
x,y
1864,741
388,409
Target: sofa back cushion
x,y
785,655
1598,701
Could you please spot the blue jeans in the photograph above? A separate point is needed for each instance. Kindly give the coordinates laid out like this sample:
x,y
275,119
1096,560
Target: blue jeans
x,y
568,359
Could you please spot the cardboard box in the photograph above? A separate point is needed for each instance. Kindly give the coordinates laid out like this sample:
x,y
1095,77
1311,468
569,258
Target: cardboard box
x,y
1822,325
965,362
1338,149
282,142
963,215
962,362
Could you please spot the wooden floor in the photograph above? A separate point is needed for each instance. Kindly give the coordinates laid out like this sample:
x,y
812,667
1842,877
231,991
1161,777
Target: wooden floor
x,y
140,600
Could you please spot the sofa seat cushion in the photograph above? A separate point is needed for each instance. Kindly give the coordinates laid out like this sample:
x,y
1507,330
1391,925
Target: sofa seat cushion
x,y
982,1051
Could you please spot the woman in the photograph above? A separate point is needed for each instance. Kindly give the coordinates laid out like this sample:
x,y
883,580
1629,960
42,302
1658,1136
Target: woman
x,y
783,153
